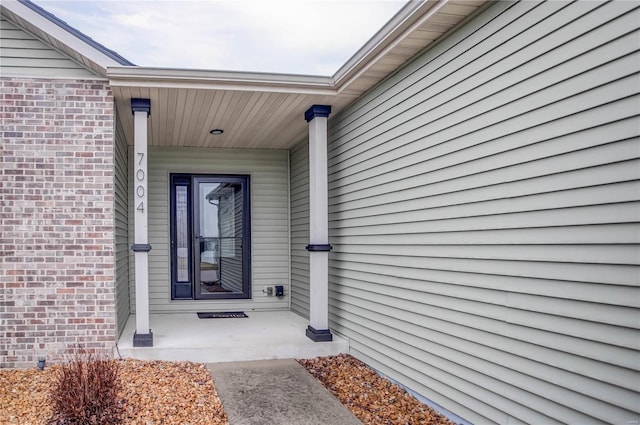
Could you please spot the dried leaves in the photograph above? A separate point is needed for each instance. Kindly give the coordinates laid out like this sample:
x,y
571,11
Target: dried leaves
x,y
154,393
160,392
171,393
23,396
373,399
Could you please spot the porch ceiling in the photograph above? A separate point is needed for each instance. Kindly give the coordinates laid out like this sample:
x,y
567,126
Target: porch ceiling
x,y
250,119
258,110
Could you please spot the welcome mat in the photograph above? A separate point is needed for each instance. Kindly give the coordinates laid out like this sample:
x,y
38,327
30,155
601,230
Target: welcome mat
x,y
221,315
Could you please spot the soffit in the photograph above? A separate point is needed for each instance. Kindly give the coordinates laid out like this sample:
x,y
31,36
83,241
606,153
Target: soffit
x,y
249,118
411,31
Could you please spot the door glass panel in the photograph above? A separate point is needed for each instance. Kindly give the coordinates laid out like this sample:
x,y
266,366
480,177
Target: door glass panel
x,y
182,234
209,231
220,219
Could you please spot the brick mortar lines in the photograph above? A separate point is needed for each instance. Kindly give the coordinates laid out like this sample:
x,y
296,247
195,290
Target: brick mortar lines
x,y
56,218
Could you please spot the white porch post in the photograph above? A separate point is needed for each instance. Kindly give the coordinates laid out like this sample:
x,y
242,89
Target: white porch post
x,y
141,109
318,247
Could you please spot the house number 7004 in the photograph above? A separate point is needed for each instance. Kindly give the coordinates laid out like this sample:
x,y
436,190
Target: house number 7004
x,y
140,189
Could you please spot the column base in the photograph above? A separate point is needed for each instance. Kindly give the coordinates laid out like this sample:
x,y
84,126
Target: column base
x,y
322,335
143,340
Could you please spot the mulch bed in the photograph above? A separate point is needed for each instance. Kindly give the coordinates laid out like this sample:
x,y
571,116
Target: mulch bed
x,y
159,392
373,399
154,392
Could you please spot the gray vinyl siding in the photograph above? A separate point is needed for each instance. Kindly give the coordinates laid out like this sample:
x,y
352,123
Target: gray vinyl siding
x,y
121,228
268,171
484,214
23,55
299,159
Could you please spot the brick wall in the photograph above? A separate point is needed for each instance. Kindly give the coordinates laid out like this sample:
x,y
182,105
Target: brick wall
x,y
56,218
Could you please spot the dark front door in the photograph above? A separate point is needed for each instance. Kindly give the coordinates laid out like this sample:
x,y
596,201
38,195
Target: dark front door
x,y
210,236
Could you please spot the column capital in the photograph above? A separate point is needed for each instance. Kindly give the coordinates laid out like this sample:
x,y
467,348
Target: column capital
x,y
317,111
141,105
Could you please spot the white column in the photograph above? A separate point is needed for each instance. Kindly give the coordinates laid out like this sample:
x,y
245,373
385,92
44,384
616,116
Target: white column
x,y
141,109
318,247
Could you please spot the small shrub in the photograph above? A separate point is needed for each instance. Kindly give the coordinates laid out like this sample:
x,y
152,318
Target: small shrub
x,y
85,390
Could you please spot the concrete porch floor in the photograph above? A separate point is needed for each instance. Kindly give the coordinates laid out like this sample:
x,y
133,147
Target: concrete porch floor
x,y
261,336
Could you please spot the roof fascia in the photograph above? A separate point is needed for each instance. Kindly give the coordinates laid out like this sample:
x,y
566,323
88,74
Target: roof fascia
x,y
59,30
127,76
413,15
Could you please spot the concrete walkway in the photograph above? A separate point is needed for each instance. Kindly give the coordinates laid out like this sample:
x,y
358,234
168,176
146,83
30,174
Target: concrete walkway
x,y
278,392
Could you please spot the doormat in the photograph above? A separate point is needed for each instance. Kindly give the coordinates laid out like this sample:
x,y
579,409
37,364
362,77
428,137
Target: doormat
x,y
221,315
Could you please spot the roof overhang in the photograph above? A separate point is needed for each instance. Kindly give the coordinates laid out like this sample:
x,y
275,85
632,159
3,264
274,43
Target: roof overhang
x,y
256,110
261,110
61,36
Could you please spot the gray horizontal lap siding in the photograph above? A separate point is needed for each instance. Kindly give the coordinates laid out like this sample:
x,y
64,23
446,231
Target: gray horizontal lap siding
x,y
268,171
299,170
121,228
484,207
22,54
